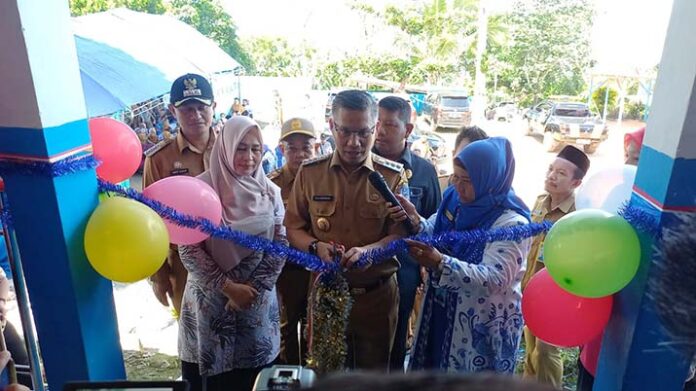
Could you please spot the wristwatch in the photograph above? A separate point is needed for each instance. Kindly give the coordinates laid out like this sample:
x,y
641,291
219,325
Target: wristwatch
x,y
313,247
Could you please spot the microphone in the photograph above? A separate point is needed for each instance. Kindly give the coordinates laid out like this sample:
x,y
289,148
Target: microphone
x,y
377,180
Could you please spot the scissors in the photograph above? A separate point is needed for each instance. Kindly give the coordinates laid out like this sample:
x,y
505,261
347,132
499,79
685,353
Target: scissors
x,y
337,251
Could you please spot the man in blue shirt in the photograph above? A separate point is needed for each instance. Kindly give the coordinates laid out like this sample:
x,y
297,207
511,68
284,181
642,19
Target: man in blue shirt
x,y
393,128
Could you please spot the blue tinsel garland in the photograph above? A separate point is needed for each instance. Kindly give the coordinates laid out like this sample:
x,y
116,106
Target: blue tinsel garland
x,y
312,262
252,242
637,217
69,165
641,220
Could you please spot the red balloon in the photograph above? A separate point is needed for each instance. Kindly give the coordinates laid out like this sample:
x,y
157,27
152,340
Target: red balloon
x,y
118,148
561,318
589,355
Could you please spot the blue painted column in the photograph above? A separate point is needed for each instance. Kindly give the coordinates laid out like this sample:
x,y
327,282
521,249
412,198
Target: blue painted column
x,y
636,353
43,118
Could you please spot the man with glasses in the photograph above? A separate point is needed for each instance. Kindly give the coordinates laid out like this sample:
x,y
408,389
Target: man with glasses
x,y
333,207
297,143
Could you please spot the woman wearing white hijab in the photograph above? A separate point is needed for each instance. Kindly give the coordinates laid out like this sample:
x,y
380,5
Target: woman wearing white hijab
x,y
229,325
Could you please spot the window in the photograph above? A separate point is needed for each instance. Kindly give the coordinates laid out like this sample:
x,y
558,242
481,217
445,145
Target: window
x,y
458,102
572,111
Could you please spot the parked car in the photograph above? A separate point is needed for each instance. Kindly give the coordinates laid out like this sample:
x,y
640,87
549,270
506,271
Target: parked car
x,y
378,95
429,145
447,110
501,111
566,123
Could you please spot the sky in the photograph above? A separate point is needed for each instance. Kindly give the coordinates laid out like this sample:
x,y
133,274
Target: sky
x,y
626,34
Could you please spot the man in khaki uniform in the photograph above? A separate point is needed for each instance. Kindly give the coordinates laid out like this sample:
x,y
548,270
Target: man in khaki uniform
x,y
187,154
543,362
297,141
333,203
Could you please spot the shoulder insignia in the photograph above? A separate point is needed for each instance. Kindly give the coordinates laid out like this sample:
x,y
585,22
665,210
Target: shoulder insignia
x,y
158,147
316,159
274,174
398,167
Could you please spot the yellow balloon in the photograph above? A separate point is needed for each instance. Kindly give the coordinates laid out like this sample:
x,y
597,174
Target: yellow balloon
x,y
125,241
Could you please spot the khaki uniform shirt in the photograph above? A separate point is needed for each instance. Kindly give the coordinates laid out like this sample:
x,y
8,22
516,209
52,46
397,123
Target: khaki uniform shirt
x,y
175,156
284,179
541,212
333,204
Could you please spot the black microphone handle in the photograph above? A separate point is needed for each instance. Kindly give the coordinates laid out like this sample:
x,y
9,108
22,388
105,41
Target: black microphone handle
x,y
380,185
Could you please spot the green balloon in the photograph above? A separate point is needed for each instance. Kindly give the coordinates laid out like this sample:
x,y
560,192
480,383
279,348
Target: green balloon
x,y
103,196
592,253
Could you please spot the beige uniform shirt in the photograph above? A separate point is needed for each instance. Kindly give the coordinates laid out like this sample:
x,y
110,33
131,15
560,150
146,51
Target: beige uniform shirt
x,y
175,157
333,204
542,211
284,179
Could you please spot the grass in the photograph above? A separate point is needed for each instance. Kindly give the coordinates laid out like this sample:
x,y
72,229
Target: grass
x,y
570,366
147,364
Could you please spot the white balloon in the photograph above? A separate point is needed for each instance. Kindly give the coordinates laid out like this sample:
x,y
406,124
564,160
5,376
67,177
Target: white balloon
x,y
608,189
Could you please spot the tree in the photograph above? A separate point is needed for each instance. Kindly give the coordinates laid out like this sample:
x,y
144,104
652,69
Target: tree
x,y
274,56
549,48
435,34
338,73
81,7
211,20
600,94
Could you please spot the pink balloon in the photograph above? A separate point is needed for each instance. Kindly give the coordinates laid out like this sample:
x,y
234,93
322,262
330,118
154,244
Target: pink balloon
x,y
190,196
561,318
117,147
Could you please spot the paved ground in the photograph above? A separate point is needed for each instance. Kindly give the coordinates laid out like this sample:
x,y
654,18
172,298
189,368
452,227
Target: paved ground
x,y
144,323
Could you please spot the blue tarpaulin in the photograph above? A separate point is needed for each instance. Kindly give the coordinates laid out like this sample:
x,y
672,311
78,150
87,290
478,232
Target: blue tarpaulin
x,y
127,57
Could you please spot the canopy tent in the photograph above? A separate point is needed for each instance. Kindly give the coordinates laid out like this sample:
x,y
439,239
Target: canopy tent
x,y
618,78
127,57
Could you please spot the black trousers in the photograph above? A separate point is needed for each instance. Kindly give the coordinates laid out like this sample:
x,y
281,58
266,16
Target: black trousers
x,y
585,379
241,379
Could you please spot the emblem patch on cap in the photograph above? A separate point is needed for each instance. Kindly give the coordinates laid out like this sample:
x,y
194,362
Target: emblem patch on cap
x,y
191,88
296,124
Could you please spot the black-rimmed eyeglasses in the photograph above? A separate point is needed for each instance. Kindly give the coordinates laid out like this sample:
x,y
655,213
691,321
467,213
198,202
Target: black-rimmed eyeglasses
x,y
348,133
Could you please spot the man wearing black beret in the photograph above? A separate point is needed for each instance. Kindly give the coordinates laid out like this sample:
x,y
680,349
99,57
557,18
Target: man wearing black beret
x,y
543,362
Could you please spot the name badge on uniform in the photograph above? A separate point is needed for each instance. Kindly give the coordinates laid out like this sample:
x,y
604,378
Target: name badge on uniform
x,y
179,171
449,215
323,198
